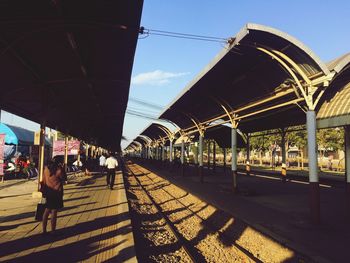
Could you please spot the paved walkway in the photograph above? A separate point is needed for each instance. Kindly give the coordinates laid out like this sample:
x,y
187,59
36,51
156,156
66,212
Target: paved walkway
x,y
93,226
278,209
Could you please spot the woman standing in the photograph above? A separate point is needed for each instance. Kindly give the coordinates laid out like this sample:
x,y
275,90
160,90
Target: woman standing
x,y
52,189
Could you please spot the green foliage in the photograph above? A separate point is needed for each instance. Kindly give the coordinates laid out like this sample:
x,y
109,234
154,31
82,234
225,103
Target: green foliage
x,y
330,139
262,141
297,138
61,136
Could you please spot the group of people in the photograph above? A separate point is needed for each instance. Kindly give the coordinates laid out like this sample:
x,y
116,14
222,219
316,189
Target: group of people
x,y
20,167
54,177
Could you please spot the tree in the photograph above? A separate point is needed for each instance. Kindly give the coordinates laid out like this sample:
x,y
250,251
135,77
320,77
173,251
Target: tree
x,y
298,138
330,140
263,141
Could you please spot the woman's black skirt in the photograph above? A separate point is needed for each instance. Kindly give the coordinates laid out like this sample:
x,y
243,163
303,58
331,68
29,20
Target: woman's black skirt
x,y
54,199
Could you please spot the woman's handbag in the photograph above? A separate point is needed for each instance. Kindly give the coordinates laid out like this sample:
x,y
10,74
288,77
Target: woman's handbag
x,y
40,208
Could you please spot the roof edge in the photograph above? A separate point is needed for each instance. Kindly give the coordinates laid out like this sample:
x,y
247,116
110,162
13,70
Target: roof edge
x,y
342,63
251,26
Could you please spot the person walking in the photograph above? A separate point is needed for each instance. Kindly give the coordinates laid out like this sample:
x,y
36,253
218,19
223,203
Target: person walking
x,y
111,164
102,161
52,189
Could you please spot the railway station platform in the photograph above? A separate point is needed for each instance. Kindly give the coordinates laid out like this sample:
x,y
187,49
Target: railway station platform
x,y
278,210
93,226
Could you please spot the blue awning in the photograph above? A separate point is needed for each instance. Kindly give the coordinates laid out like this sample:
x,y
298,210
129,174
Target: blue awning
x,y
18,136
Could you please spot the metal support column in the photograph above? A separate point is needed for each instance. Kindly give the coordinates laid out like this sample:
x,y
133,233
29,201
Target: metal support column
x,y
247,167
41,154
86,151
347,168
224,160
214,156
182,157
208,163
284,165
171,152
92,151
200,160
234,158
313,176
195,154
78,157
157,153
65,164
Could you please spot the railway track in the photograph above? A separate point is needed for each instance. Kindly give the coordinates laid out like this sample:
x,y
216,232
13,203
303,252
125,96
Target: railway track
x,y
191,253
189,245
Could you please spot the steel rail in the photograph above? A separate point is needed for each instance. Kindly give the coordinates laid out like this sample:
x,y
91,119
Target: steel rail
x,y
184,243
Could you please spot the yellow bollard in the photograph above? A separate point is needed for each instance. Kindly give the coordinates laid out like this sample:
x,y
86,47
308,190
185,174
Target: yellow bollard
x,y
284,172
247,168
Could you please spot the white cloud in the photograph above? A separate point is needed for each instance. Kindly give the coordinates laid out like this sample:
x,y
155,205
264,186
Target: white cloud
x,y
157,77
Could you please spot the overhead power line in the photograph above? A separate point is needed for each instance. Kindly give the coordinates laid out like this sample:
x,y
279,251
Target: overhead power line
x,y
145,32
141,114
146,103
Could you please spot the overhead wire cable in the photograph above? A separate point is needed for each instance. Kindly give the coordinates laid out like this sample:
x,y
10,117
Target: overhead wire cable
x,y
146,32
191,38
144,116
184,34
146,103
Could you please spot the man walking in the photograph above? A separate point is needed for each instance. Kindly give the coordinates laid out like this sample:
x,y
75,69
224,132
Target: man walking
x,y
102,161
111,164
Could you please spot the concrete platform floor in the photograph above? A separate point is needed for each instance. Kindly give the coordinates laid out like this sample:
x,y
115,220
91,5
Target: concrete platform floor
x,y
280,210
93,226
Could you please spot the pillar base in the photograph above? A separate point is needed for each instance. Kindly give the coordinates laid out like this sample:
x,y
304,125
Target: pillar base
x,y
347,200
234,181
170,167
200,173
284,174
315,202
183,169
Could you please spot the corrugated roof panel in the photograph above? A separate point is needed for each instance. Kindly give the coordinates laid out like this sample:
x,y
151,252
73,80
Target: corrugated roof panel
x,y
338,105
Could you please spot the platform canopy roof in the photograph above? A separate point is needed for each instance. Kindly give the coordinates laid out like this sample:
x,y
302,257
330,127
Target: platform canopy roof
x,y
155,132
255,77
335,107
69,63
222,136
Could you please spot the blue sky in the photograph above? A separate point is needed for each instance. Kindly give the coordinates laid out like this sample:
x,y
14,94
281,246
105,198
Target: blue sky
x,y
163,66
